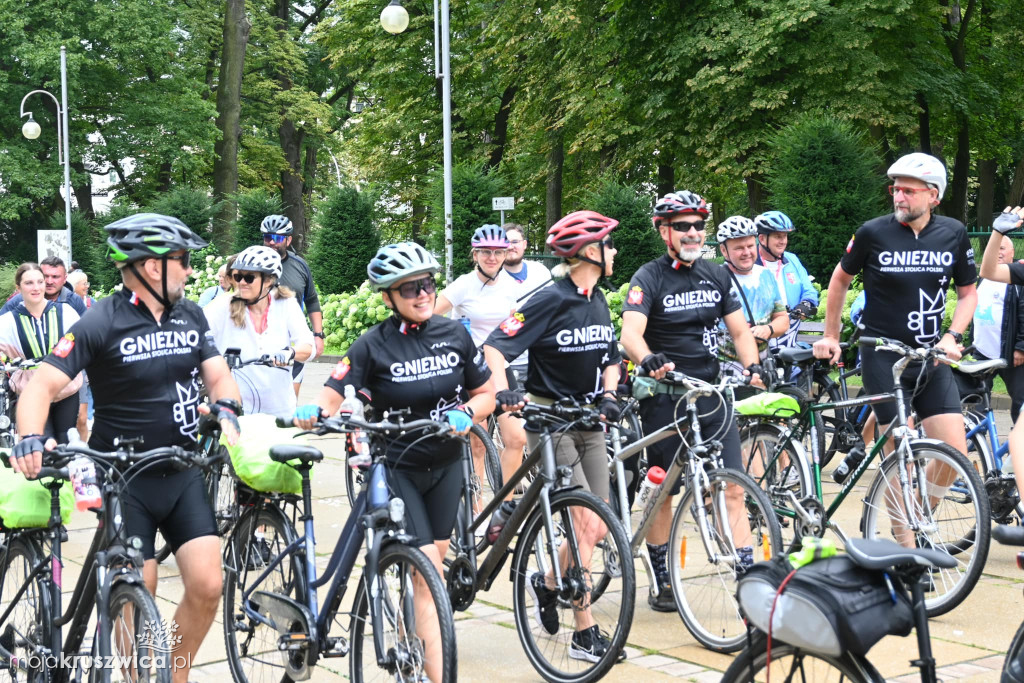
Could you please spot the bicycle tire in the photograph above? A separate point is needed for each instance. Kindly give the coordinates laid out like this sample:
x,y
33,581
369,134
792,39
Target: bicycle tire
x,y
612,609
817,434
163,548
145,621
28,628
713,616
1010,672
361,625
260,535
832,420
964,497
353,483
797,666
492,457
760,444
220,488
1004,499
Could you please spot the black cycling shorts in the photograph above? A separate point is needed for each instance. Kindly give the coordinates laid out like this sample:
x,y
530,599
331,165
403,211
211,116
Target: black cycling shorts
x,y
174,502
432,497
659,410
937,393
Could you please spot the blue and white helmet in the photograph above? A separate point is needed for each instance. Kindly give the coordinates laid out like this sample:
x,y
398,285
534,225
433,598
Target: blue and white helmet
x,y
397,261
773,221
734,227
276,225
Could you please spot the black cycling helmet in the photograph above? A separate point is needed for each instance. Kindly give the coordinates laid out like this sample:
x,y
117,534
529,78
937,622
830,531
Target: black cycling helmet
x,y
149,235
679,204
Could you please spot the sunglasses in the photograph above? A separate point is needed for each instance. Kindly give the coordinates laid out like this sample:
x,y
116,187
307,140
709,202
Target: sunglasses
x,y
411,290
684,226
608,242
248,277
185,259
276,239
908,192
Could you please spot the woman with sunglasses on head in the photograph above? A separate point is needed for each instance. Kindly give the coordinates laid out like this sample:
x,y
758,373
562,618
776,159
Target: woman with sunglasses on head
x,y
481,299
262,318
428,364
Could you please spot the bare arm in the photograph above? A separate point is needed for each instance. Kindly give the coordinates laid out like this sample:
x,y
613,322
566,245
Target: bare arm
x,y
496,362
34,409
991,268
634,324
481,399
442,305
742,337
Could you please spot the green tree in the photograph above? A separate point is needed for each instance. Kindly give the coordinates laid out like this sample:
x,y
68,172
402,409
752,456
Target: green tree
x,y
191,206
472,190
635,237
344,242
824,176
253,207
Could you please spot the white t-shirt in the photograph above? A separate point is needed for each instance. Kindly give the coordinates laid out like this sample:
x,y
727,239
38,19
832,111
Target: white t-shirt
x,y
988,318
486,306
536,275
263,389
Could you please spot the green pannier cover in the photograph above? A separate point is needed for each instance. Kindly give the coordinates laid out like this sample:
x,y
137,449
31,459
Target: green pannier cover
x,y
768,404
250,457
25,503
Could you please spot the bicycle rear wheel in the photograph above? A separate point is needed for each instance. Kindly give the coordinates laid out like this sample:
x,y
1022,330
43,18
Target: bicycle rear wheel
x,y
25,634
407,632
704,586
138,641
1013,665
957,508
797,666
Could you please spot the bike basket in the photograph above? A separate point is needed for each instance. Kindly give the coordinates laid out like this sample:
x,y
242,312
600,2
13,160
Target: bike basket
x,y
25,503
768,404
829,607
250,457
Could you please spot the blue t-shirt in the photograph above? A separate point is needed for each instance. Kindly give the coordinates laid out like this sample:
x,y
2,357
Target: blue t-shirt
x,y
758,303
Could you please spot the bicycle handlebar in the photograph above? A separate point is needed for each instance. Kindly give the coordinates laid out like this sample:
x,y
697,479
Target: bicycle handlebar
x,y
344,425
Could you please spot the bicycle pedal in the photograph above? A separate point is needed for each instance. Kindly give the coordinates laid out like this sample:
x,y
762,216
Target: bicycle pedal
x,y
293,641
336,647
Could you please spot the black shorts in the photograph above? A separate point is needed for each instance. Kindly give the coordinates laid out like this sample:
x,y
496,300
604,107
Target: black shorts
x,y
515,375
432,497
176,503
297,371
659,410
936,395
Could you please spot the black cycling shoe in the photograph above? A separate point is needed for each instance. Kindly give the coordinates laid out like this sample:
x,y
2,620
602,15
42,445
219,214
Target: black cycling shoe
x,y
591,645
545,603
664,600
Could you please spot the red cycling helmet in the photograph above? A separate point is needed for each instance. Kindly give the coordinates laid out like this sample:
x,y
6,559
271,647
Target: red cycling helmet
x,y
577,230
679,204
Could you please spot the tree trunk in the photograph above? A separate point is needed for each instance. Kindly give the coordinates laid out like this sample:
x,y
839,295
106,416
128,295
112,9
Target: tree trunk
x,y
291,181
961,170
986,192
229,99
418,214
666,179
924,128
309,166
756,195
556,161
501,128
1016,195
83,192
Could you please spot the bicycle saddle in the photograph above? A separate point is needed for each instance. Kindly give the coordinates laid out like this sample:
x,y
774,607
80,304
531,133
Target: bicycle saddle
x,y
286,452
1008,535
980,367
792,354
880,554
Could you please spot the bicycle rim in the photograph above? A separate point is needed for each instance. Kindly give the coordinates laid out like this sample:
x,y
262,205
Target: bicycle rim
x,y
25,633
704,586
260,535
959,517
141,643
797,666
562,656
777,471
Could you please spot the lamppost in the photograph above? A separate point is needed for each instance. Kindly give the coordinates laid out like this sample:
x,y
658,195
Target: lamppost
x,y
31,130
395,19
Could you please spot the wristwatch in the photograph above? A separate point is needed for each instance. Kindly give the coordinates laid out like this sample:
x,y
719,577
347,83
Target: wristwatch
x,y
318,334
958,337
468,411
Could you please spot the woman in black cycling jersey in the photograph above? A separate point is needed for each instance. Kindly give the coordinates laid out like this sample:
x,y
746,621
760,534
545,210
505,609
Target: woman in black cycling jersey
x,y
428,364
573,354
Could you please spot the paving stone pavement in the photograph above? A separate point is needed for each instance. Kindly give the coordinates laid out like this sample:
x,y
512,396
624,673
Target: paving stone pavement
x,y
969,643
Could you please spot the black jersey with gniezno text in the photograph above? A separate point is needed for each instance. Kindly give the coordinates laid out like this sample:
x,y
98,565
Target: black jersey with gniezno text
x,y
683,306
144,374
907,276
429,369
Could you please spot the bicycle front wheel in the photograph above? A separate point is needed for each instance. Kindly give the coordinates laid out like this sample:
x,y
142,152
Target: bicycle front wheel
x,y
797,666
138,641
417,631
26,632
1013,665
575,634
950,515
703,558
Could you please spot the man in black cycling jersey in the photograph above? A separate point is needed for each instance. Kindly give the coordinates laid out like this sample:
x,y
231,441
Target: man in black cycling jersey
x,y
909,259
146,348
670,321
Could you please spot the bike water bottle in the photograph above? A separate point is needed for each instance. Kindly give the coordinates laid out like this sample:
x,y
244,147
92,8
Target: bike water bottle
x,y
655,476
498,520
83,481
359,448
465,321
377,491
850,463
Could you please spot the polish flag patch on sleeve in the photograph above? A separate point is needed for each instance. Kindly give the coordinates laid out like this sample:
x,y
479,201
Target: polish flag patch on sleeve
x,y
635,296
849,244
512,324
341,369
64,346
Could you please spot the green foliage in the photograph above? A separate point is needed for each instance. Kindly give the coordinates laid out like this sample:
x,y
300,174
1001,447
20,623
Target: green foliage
x,y
349,314
635,238
7,279
191,206
615,299
472,190
344,242
105,274
824,176
253,207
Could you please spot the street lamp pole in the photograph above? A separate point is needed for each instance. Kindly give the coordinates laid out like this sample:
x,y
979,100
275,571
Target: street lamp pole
x,y
31,131
395,19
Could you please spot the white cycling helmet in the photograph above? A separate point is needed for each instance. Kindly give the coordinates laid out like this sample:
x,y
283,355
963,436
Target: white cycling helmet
x,y
276,225
734,227
258,259
922,166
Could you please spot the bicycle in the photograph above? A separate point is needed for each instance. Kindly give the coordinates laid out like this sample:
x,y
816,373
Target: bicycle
x,y
128,625
703,578
9,400
903,569
550,519
275,626
893,504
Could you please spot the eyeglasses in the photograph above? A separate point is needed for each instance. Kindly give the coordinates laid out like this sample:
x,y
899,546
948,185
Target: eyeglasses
x,y
496,253
411,290
516,243
185,259
608,242
248,277
908,192
276,239
684,226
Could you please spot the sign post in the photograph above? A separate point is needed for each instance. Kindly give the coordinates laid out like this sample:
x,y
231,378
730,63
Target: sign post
x,y
503,204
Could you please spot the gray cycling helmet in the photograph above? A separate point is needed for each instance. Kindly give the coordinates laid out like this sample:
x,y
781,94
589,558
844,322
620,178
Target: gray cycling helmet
x,y
734,227
923,167
258,259
149,235
276,225
397,261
